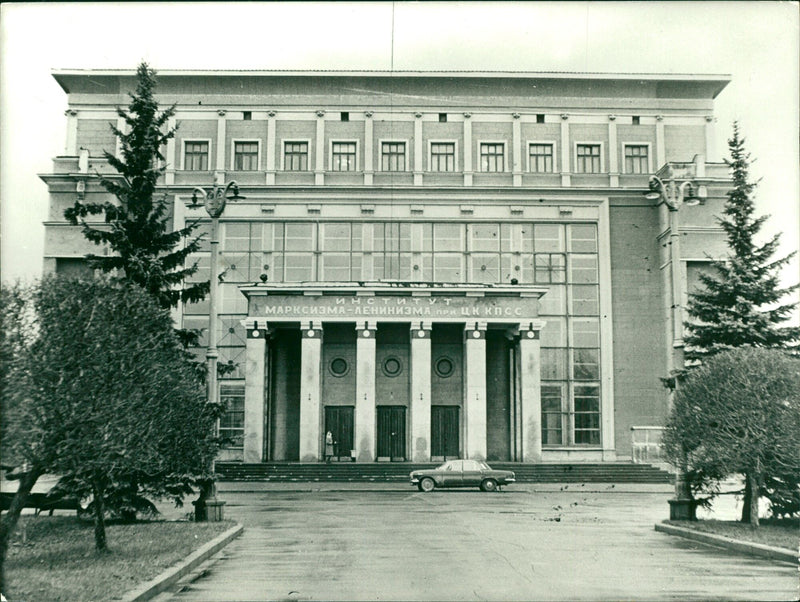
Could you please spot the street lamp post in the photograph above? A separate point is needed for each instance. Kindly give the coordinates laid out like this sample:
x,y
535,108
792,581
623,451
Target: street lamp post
x,y
207,506
675,194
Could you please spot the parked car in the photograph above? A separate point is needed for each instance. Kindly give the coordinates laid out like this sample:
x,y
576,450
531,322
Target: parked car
x,y
462,473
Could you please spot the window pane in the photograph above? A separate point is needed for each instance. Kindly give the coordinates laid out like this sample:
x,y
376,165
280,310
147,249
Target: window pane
x,y
588,158
492,157
636,159
548,238
582,238
554,301
549,267
485,268
583,269
299,237
236,237
552,416
447,237
554,333
586,364
196,156
344,156
448,267
584,300
485,237
245,156
231,424
554,364
585,332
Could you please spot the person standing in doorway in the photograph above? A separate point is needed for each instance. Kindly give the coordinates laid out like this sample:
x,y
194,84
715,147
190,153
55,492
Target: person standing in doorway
x,y
328,446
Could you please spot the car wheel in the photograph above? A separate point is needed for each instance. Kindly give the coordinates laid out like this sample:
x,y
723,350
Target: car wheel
x,y
426,484
489,485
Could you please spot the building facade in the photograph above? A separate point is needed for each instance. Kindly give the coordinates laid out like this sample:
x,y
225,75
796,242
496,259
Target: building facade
x,y
428,265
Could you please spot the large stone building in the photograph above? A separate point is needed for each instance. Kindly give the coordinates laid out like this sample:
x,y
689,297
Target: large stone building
x,y
430,264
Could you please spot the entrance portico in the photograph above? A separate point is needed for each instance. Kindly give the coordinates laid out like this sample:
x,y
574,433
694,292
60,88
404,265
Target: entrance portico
x,y
393,369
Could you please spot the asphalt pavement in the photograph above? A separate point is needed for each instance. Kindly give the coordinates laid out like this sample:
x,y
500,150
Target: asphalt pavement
x,y
334,541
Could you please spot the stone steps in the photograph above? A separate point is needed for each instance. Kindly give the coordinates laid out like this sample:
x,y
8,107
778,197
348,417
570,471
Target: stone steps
x,y
607,472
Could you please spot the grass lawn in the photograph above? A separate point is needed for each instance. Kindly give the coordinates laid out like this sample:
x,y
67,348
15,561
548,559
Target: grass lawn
x,y
53,557
783,533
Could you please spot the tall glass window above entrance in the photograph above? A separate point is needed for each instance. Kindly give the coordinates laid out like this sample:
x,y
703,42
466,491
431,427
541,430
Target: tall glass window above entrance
x,y
563,257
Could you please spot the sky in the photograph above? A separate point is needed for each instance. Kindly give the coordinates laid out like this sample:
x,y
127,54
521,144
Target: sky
x,y
757,43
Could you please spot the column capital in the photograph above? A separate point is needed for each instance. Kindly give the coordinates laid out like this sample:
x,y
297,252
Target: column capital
x,y
475,331
366,330
312,330
535,325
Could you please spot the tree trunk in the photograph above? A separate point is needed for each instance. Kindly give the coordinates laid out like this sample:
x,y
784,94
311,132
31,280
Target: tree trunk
x,y
9,522
99,518
748,493
755,490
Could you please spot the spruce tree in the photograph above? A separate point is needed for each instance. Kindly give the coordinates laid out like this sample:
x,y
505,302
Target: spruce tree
x,y
137,226
739,302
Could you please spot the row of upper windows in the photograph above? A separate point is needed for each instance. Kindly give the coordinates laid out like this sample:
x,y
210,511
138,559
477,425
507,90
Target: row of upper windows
x,y
442,156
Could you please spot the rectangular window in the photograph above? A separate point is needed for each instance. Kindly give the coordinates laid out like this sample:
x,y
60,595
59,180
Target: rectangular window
x,y
540,118
295,156
393,156
588,158
549,268
245,156
345,116
195,157
443,156
343,156
541,158
442,117
587,414
231,425
247,115
636,159
492,156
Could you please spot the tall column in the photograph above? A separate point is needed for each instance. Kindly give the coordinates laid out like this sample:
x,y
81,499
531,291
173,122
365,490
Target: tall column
x,y
530,391
310,391
421,392
475,390
255,373
365,392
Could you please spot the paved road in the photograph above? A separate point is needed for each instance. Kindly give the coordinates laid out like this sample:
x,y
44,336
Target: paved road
x,y
520,544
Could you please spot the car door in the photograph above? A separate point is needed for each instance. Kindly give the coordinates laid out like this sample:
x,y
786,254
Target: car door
x,y
451,475
471,474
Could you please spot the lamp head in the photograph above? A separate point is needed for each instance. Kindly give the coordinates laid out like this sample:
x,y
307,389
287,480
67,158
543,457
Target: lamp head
x,y
656,189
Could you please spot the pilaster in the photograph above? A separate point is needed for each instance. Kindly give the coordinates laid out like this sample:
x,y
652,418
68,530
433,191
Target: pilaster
x,y
71,144
421,391
661,153
418,150
566,151
613,152
365,392
169,175
319,153
475,390
310,391
271,161
467,150
516,150
369,151
221,146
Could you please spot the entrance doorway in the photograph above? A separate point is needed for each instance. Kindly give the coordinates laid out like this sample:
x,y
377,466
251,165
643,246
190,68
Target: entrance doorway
x,y
392,433
444,433
339,421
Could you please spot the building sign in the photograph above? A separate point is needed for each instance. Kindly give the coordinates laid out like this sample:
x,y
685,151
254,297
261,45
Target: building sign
x,y
343,307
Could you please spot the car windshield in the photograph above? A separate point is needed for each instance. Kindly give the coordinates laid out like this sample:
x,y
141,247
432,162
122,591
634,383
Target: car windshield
x,y
484,466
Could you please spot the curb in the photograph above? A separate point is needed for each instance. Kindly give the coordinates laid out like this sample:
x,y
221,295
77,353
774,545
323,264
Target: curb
x,y
737,545
172,575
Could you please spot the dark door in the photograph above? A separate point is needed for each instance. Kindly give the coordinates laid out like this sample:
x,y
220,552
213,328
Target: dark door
x,y
392,432
444,432
339,421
